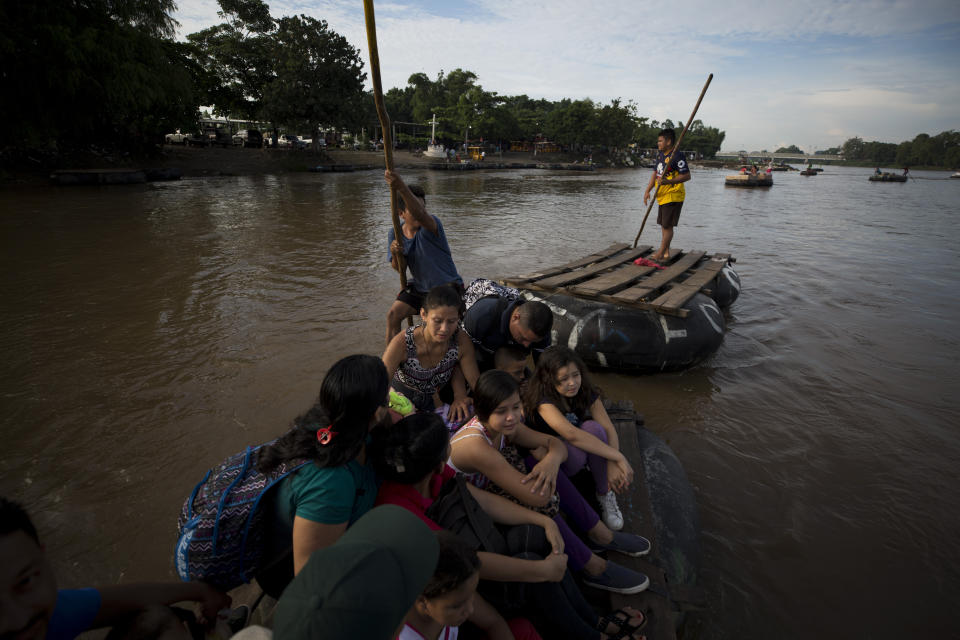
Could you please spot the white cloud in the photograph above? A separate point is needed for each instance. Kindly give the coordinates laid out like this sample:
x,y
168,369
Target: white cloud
x,y
768,85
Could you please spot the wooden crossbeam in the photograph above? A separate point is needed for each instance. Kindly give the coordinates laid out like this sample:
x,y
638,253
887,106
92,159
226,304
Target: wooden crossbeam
x,y
613,281
677,296
658,280
577,275
593,257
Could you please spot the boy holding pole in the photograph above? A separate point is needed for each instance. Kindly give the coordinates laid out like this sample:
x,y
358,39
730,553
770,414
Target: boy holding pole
x,y
670,174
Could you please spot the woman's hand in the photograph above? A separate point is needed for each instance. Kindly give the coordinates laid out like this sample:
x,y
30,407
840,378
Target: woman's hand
x,y
619,474
459,409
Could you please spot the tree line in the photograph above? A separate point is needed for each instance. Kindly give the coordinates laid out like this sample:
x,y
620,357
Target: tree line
x,y
459,102
109,72
941,150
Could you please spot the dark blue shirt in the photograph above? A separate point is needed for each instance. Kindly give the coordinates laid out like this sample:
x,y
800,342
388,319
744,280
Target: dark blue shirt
x,y
487,323
74,613
428,257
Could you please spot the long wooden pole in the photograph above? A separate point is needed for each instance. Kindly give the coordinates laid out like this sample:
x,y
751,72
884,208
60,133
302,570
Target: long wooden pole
x,y
673,156
385,127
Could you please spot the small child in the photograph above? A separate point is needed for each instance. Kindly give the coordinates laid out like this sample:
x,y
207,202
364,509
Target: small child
x,y
447,600
561,401
513,360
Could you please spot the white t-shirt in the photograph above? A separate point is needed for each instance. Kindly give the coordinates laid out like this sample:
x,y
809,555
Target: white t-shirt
x,y
409,633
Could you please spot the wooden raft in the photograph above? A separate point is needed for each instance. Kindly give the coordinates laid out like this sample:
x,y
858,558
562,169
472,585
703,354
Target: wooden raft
x,y
611,276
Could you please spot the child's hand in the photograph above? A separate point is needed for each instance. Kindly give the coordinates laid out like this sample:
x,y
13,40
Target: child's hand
x,y
392,178
619,474
554,565
211,602
395,247
552,533
544,478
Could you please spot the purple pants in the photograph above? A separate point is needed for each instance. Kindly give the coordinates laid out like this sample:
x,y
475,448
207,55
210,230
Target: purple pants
x,y
581,515
578,458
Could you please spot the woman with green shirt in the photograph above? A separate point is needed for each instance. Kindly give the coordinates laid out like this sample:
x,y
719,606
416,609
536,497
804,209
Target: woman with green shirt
x,y
313,506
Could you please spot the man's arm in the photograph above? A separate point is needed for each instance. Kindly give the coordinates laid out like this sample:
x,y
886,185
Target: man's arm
x,y
653,180
117,601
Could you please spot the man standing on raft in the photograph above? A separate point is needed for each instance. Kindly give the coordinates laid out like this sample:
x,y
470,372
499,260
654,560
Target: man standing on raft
x,y
670,191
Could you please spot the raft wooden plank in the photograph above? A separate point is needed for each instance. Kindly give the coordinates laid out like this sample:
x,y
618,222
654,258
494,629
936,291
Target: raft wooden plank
x,y
583,273
682,292
551,271
639,519
610,282
659,279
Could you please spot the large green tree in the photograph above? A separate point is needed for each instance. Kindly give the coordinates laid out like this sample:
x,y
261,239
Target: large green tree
x,y
318,77
103,71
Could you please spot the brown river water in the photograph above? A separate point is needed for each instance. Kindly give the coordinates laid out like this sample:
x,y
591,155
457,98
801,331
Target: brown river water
x,y
148,331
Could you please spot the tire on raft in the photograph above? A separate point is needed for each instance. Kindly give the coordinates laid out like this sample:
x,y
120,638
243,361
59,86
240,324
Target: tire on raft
x,y
663,507
618,338
674,508
725,288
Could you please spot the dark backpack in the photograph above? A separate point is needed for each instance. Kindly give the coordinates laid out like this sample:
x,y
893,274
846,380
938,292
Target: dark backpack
x,y
458,511
221,525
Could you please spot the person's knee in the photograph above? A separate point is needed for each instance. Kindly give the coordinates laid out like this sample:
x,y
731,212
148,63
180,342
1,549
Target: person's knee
x,y
596,429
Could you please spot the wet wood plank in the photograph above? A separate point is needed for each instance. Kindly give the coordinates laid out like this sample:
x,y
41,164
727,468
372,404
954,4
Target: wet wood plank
x,y
613,281
682,292
583,273
593,257
658,280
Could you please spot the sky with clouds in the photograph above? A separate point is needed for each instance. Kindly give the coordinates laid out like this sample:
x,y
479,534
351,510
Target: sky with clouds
x,y
810,73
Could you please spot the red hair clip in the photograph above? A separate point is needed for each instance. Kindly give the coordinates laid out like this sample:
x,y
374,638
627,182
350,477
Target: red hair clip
x,y
325,434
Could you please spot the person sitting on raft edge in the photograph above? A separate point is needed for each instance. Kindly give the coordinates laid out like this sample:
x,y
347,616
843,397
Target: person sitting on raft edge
x,y
32,607
493,322
425,249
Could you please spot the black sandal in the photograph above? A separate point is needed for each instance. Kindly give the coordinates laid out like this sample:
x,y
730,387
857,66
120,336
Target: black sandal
x,y
621,620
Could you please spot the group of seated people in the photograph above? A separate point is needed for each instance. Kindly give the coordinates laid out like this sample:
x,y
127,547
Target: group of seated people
x,y
514,436
353,545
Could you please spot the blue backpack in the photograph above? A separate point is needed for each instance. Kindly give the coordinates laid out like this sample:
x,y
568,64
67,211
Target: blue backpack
x,y
221,525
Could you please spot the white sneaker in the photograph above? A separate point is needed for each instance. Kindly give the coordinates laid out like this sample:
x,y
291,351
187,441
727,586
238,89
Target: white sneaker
x,y
610,511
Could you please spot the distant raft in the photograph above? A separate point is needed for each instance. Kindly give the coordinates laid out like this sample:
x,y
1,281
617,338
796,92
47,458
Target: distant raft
x,y
888,177
622,316
747,180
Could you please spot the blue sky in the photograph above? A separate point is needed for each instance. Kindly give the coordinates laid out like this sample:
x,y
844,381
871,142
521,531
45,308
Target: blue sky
x,y
810,73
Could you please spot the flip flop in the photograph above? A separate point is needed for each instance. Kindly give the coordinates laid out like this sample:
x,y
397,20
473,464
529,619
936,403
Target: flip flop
x,y
621,619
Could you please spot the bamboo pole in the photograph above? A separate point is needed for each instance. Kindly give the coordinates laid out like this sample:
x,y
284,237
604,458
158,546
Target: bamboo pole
x,y
673,156
385,127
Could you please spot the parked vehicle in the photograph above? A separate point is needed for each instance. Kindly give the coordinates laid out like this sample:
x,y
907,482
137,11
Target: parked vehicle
x,y
176,138
290,140
198,139
248,138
